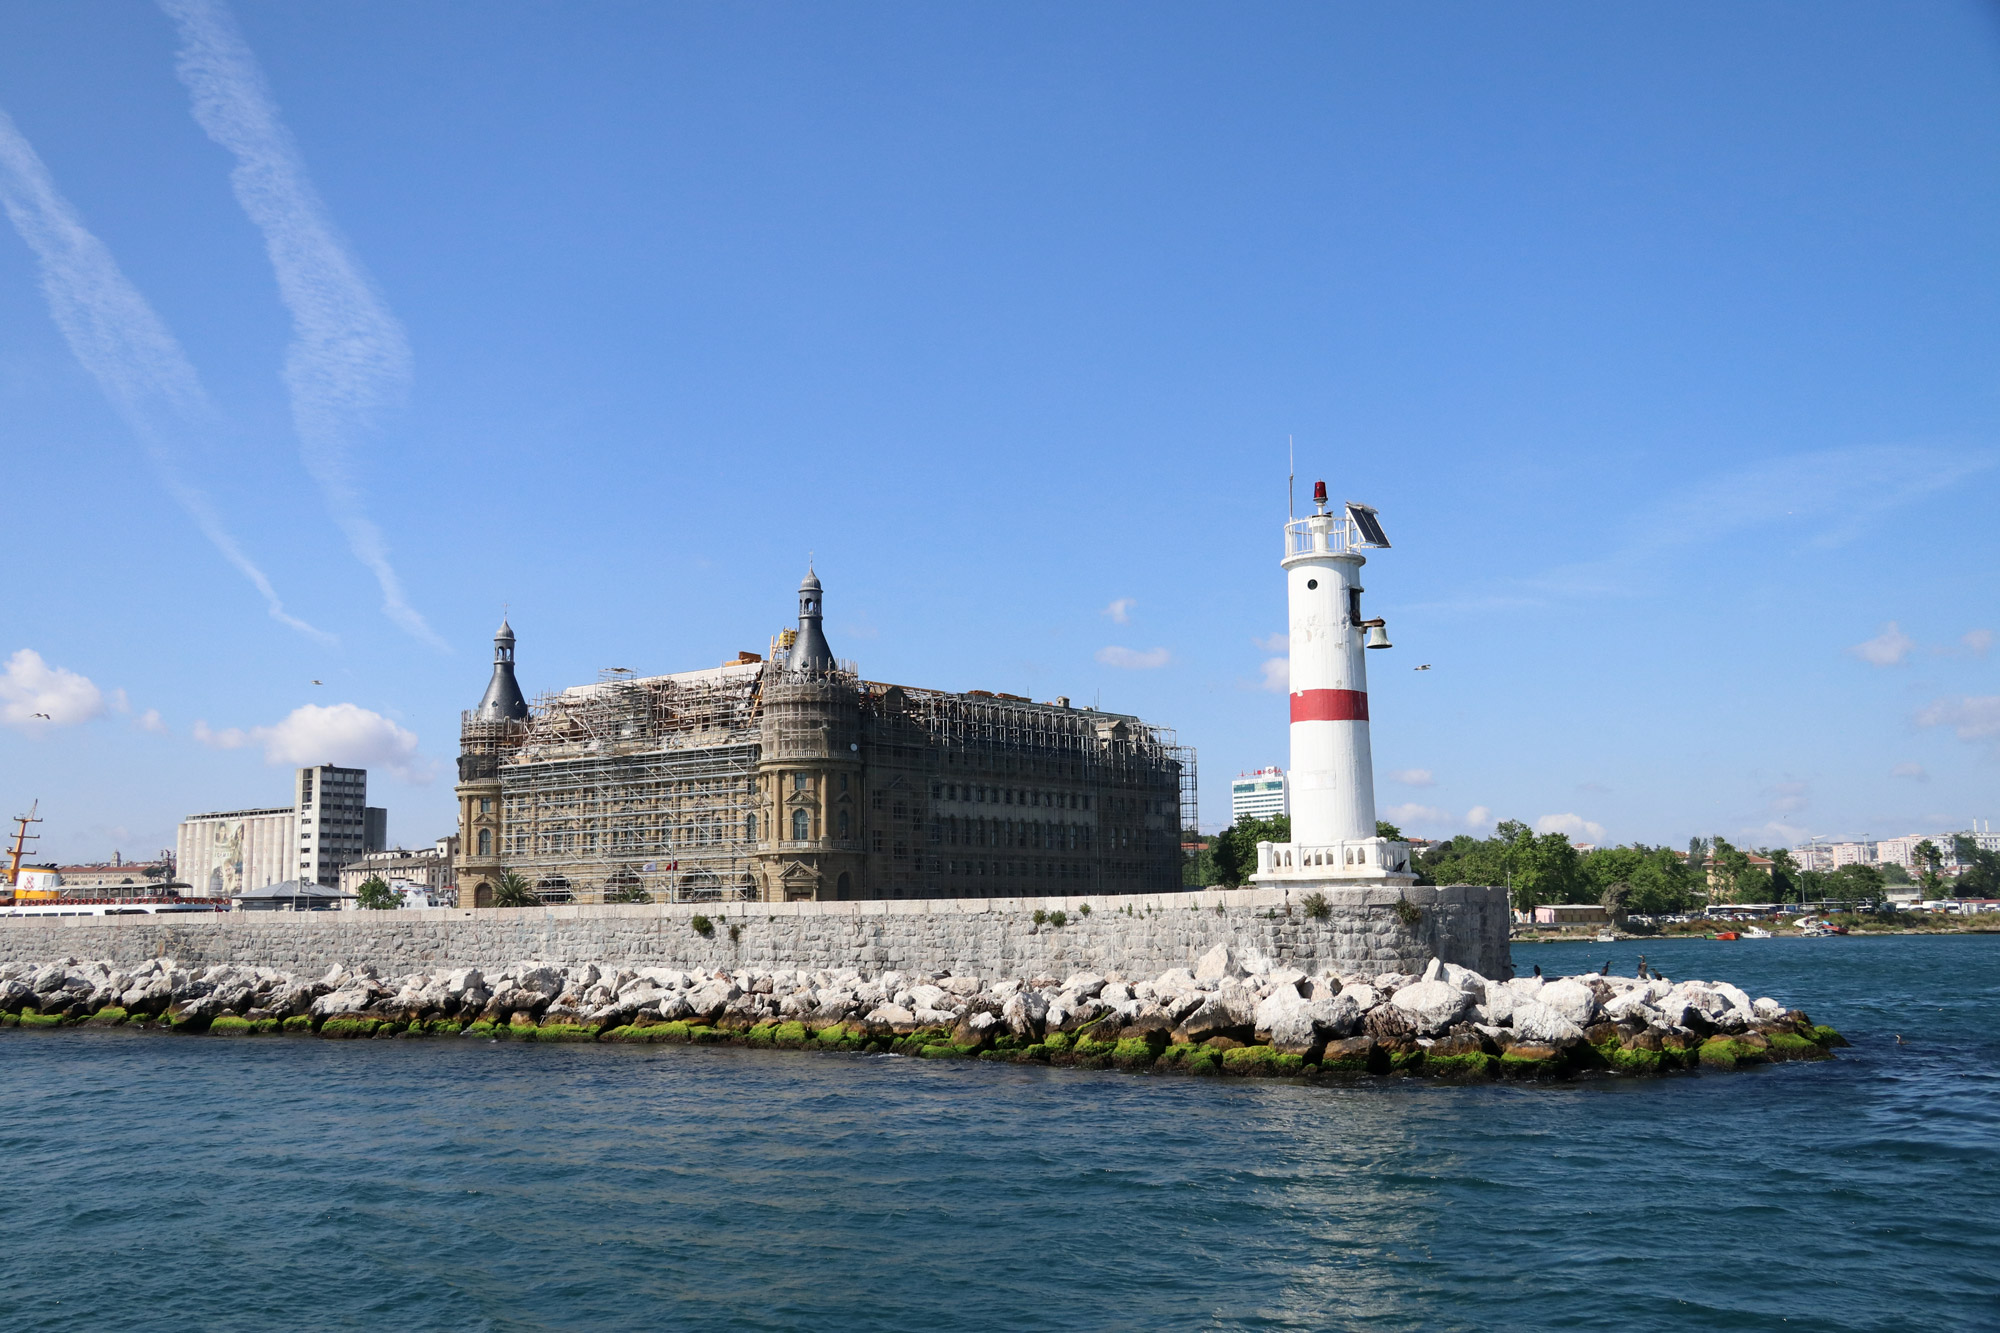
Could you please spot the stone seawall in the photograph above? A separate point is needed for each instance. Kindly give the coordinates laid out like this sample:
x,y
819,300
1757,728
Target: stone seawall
x,y
1363,930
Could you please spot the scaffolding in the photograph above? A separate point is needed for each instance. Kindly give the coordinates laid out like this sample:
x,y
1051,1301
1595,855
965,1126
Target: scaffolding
x,y
649,785
634,785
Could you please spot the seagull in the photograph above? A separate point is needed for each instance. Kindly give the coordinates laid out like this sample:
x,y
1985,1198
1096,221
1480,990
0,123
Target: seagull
x,y
319,682
44,717
1425,667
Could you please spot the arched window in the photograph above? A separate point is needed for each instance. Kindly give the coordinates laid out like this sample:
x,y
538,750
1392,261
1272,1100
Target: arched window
x,y
486,842
750,828
843,823
801,826
844,887
483,896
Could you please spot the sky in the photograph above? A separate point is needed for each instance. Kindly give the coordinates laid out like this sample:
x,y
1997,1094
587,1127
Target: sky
x,y
1665,339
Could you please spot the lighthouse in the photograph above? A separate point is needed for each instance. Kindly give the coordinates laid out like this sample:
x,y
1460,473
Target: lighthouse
x,y
1333,771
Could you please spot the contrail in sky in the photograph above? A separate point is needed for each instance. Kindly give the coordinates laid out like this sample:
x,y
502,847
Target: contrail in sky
x,y
349,359
120,340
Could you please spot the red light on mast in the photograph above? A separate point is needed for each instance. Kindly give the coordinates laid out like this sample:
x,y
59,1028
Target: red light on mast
x,y
1319,494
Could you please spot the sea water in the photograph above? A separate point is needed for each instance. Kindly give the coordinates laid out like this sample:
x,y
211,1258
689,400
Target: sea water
x,y
154,1181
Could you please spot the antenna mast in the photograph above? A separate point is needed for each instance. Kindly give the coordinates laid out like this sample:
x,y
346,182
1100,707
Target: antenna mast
x,y
1291,471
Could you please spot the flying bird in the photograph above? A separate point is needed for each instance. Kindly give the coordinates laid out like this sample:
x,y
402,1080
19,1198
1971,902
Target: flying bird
x,y
1425,667
44,717
319,682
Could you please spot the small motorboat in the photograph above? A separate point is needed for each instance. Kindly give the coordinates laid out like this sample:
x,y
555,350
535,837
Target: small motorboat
x,y
1606,937
1725,935
1756,933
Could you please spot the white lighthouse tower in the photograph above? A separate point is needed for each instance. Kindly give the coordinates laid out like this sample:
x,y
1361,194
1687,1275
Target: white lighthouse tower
x,y
1333,773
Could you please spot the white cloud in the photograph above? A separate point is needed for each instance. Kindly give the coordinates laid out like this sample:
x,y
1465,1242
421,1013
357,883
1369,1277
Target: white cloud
x,y
1914,772
1774,834
1577,827
150,721
1413,777
1978,642
1478,817
35,695
344,734
1885,649
1412,817
349,359
122,342
1788,798
1974,719
1132,659
1277,671
1120,610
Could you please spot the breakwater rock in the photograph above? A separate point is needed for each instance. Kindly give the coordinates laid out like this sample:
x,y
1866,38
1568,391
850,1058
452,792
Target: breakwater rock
x,y
1217,1017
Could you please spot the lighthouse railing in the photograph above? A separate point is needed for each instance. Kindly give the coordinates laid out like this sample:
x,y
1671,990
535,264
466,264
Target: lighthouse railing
x,y
1321,534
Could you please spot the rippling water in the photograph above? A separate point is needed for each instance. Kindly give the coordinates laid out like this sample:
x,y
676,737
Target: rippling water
x,y
156,1181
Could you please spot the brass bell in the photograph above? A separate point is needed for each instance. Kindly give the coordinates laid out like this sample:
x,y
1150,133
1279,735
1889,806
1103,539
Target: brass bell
x,y
1378,636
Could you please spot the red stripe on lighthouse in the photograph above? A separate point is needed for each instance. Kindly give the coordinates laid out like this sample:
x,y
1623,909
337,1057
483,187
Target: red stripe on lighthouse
x,y
1330,706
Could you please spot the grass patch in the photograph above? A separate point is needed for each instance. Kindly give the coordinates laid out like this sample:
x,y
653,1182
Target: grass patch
x,y
38,1020
348,1028
565,1032
1473,1065
1791,1046
232,1025
297,1024
791,1034
109,1016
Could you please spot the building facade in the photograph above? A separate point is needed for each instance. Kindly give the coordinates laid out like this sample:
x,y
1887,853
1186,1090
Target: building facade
x,y
793,779
430,870
1264,794
329,823
228,852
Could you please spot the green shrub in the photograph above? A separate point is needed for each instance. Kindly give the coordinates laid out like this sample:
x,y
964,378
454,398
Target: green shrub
x,y
1251,1061
1409,913
702,925
735,932
791,1034
1058,918
1316,906
1041,917
1083,909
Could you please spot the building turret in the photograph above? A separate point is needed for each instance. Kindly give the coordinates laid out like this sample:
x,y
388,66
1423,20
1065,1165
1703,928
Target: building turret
x,y
502,701
810,654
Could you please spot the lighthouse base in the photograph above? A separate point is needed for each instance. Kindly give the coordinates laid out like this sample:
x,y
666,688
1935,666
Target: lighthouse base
x,y
1357,863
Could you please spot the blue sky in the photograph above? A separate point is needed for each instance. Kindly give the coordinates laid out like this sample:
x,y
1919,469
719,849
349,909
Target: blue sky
x,y
1665,340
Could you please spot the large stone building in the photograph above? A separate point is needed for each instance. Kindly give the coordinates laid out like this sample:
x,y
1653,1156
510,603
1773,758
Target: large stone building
x,y
794,779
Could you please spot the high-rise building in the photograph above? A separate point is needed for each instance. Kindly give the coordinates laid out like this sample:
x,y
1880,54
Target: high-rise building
x,y
328,824
1264,794
336,824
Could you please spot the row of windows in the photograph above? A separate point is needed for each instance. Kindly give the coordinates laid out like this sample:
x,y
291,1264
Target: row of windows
x,y
966,791
953,831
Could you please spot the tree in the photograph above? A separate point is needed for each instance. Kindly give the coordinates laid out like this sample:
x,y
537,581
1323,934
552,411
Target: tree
x,y
376,895
628,893
1233,852
1614,898
1980,877
513,890
1784,875
1850,884
159,872
1384,829
1927,859
1697,864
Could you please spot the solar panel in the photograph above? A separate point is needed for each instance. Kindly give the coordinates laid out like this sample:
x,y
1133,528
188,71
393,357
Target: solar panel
x,y
1371,526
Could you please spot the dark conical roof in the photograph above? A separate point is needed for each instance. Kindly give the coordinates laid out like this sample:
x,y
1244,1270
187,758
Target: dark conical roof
x,y
810,654
502,701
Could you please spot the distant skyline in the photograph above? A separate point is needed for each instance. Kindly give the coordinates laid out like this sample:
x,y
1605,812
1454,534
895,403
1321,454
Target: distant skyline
x,y
1666,342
